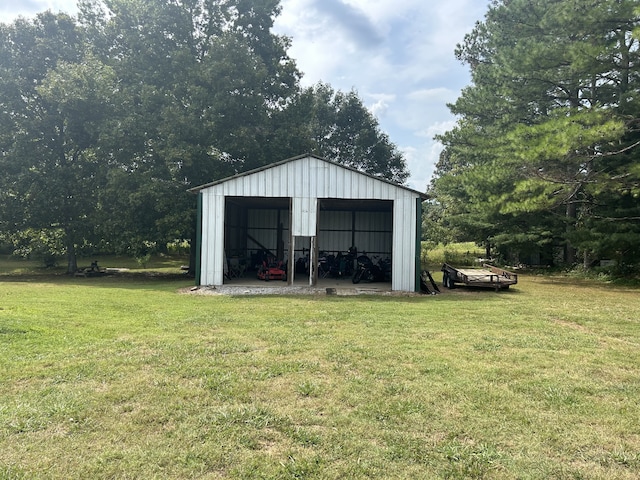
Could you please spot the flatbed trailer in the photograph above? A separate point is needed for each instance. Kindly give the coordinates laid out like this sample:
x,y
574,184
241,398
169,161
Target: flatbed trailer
x,y
487,276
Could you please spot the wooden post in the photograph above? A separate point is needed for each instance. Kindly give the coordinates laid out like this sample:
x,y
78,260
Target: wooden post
x,y
313,262
291,264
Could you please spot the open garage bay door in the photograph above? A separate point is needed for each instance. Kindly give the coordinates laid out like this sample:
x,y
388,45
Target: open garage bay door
x,y
258,226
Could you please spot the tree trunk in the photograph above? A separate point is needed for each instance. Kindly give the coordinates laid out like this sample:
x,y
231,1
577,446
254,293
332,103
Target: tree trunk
x,y
72,261
193,245
569,250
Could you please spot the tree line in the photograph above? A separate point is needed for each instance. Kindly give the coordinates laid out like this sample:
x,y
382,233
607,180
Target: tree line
x,y
544,160
107,118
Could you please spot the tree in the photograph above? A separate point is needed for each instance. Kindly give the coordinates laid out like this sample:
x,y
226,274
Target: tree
x,y
212,93
202,79
107,121
545,145
55,99
337,126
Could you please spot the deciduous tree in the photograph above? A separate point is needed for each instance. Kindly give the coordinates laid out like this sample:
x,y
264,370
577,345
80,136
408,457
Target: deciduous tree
x,y
337,126
55,100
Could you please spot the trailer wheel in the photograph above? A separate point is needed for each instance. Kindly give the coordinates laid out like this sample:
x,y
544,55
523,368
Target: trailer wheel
x,y
446,280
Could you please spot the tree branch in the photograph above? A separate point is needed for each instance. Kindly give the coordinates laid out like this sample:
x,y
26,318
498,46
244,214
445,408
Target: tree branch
x,y
616,219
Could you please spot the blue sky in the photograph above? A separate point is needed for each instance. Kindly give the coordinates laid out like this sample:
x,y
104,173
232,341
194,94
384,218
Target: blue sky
x,y
397,54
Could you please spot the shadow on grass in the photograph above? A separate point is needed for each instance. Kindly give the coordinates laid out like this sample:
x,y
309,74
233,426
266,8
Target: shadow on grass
x,y
14,266
154,280
147,279
567,281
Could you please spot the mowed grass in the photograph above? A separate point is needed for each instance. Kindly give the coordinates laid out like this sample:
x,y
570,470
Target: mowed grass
x,y
157,264
126,378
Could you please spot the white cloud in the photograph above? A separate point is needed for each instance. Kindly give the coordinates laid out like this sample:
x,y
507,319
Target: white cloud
x,y
438,128
382,103
421,160
410,58
10,10
429,95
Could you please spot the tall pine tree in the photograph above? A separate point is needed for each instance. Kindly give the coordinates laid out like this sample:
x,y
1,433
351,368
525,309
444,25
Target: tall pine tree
x,y
545,149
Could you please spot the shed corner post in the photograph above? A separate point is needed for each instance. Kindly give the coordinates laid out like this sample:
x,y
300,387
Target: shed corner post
x,y
291,261
418,265
198,245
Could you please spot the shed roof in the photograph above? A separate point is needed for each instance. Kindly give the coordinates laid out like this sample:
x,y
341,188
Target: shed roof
x,y
299,157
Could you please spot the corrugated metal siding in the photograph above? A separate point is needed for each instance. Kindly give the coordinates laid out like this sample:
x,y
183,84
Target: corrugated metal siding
x,y
335,231
212,250
235,229
263,218
373,233
306,180
370,232
305,216
404,235
261,228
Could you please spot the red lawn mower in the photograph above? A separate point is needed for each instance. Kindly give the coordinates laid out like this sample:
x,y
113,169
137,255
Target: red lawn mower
x,y
272,270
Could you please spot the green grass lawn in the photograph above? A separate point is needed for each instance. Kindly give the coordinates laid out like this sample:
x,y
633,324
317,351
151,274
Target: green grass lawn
x,y
126,378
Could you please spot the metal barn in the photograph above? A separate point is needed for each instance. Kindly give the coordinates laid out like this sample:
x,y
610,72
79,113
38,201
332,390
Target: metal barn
x,y
303,208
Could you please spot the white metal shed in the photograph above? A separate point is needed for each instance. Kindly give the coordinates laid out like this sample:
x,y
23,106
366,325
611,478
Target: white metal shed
x,y
306,205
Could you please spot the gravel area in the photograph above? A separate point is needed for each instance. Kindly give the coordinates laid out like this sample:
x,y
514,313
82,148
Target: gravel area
x,y
292,290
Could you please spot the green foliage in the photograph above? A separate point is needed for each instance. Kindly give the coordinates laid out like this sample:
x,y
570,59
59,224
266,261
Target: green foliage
x,y
337,126
458,254
547,141
55,99
435,226
143,259
45,245
108,119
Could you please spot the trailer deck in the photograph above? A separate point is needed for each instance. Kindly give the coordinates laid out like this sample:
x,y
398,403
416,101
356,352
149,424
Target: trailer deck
x,y
488,276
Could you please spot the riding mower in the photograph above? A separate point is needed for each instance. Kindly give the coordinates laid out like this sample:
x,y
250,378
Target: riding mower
x,y
272,270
